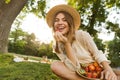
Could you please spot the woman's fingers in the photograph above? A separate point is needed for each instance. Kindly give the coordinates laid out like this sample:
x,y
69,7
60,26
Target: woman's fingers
x,y
56,36
102,75
111,77
114,78
59,37
107,75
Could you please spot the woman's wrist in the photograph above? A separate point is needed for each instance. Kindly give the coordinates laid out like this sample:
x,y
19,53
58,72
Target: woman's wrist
x,y
106,65
67,43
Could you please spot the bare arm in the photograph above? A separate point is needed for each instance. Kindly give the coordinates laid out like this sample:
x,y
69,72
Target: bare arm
x,y
60,38
107,73
70,53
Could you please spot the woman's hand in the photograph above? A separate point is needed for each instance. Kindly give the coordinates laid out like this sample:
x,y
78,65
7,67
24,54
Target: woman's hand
x,y
108,74
60,38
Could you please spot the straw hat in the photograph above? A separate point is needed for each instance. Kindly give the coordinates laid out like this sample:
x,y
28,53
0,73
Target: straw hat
x,y
63,7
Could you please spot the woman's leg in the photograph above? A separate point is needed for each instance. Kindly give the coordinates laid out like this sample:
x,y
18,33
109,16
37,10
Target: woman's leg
x,y
63,72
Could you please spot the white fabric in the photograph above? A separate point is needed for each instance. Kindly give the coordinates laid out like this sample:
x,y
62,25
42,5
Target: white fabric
x,y
85,50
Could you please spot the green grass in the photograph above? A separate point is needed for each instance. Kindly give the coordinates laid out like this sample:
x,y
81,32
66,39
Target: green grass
x,y
10,70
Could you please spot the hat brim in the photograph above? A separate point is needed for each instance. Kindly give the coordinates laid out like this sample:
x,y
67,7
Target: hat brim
x,y
63,7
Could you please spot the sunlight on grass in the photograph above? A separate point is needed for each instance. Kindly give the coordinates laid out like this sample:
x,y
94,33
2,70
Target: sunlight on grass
x,y
10,70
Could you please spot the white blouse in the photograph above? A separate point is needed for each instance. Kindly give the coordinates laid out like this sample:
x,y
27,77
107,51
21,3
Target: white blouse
x,y
85,50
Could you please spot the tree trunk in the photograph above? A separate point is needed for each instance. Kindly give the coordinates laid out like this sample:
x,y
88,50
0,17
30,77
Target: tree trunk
x,y
8,13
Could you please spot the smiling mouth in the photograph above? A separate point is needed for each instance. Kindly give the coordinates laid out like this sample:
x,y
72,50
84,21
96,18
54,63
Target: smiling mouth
x,y
60,28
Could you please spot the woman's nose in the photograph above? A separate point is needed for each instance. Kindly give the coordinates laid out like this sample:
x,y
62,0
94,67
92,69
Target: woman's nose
x,y
60,22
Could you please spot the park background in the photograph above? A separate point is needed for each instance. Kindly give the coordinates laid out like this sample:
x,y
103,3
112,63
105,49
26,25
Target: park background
x,y
25,36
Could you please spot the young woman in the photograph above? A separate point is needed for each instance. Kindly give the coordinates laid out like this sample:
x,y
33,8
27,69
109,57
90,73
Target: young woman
x,y
74,47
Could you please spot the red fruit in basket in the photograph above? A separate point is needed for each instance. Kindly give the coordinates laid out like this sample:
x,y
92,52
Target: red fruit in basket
x,y
98,69
94,75
99,74
91,67
86,69
89,75
95,64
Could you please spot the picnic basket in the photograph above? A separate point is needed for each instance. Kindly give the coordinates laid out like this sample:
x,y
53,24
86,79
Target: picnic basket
x,y
90,71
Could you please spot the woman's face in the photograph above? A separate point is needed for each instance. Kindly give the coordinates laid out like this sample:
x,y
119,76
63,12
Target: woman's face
x,y
60,24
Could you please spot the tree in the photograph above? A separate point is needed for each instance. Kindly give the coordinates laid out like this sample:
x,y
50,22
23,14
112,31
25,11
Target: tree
x,y
16,40
31,46
114,46
9,9
114,52
8,13
94,13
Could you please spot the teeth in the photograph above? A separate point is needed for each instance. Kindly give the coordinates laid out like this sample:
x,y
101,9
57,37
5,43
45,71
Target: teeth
x,y
61,28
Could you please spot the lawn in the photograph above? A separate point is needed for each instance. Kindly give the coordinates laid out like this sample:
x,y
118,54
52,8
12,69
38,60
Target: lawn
x,y
10,70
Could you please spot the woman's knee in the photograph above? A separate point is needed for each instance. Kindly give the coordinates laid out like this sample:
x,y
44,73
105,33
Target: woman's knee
x,y
55,66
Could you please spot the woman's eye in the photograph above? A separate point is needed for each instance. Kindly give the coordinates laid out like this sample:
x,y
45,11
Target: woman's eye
x,y
56,20
64,20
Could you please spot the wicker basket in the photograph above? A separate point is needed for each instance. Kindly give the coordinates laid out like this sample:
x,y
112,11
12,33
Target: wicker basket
x,y
86,77
90,71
